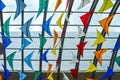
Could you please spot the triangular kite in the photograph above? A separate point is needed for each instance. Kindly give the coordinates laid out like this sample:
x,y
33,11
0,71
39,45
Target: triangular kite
x,y
83,4
50,77
107,74
80,33
42,78
10,59
117,46
91,68
42,42
55,38
46,27
22,75
25,43
1,77
44,56
105,23
90,79
100,39
25,28
6,41
5,27
37,74
85,18
57,4
42,5
6,73
49,68
1,51
27,60
117,60
98,54
74,72
20,7
59,21
2,5
54,50
81,47
74,59
65,76
106,5
68,1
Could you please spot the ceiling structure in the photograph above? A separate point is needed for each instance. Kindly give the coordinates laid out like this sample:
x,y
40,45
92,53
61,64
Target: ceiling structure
x,y
68,46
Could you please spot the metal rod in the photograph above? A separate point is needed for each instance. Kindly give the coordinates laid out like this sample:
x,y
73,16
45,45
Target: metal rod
x,y
62,38
113,11
94,4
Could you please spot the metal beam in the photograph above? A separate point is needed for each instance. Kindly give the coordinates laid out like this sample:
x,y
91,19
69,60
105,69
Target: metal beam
x,y
113,11
62,38
94,4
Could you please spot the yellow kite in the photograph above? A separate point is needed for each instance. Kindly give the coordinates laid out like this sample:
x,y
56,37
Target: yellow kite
x,y
91,68
50,77
98,54
54,50
105,23
59,21
57,4
100,39
106,5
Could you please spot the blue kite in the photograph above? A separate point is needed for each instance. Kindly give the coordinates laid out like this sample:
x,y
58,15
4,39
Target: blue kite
x,y
44,56
2,5
117,46
20,7
6,73
6,40
27,60
25,28
107,74
46,25
25,43
22,75
42,78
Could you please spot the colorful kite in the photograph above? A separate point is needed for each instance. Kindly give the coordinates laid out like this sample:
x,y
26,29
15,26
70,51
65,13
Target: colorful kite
x,y
25,28
91,68
81,47
59,21
100,39
25,43
117,60
74,59
65,76
68,1
106,5
37,74
10,59
117,46
49,68
44,56
55,37
57,4
83,4
85,18
27,60
46,27
98,54
105,23
22,75
74,72
54,50
80,33
50,77
107,74
90,79
2,5
6,40
5,27
6,73
42,6
20,7
43,40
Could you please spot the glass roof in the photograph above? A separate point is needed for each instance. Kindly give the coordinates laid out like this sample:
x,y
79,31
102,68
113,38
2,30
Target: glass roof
x,y
70,43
